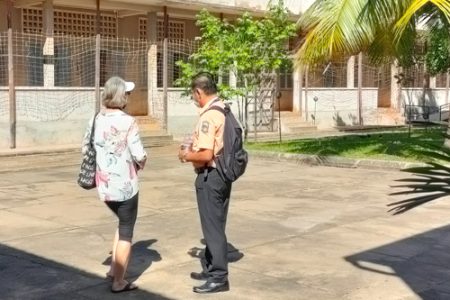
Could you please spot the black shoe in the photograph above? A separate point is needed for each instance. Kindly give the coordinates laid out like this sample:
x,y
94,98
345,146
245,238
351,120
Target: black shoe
x,y
212,287
199,276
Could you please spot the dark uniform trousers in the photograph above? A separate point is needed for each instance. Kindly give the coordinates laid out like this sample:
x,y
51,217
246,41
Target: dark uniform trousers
x,y
213,197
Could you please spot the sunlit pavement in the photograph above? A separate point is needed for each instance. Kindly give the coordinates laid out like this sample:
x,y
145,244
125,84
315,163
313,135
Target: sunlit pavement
x,y
295,232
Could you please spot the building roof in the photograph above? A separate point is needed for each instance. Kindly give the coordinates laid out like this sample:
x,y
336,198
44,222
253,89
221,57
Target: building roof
x,y
127,7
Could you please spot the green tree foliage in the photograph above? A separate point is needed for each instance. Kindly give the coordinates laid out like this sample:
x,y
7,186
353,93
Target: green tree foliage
x,y
249,47
437,57
385,29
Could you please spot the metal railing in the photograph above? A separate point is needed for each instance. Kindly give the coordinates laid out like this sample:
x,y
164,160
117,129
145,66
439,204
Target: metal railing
x,y
420,113
444,111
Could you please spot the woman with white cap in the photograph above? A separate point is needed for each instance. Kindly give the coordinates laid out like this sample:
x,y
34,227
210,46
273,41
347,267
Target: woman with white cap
x,y
120,154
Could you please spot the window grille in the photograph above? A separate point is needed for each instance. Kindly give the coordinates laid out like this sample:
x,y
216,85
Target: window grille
x,y
176,29
70,22
142,29
441,80
32,20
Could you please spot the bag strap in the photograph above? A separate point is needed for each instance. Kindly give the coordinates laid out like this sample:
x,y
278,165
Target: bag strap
x,y
218,108
211,106
91,138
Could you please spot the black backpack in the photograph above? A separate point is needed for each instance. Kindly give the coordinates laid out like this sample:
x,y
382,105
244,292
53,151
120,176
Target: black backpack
x,y
232,159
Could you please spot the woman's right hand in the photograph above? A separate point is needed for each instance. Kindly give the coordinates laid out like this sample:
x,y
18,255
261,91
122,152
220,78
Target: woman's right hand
x,y
140,164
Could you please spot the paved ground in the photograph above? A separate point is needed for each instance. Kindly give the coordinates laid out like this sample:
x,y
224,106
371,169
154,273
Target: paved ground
x,y
297,232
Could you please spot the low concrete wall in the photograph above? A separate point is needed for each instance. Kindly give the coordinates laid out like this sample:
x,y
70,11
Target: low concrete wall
x,y
47,116
182,113
339,106
417,96
58,116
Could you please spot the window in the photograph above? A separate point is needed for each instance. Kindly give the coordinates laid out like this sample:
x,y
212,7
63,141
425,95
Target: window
x,y
69,66
176,69
70,22
3,59
285,79
35,63
176,29
441,80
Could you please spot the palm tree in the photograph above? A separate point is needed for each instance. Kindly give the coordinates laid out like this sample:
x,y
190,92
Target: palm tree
x,y
385,29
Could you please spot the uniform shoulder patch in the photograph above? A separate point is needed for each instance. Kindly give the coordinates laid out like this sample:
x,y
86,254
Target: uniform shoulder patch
x,y
205,127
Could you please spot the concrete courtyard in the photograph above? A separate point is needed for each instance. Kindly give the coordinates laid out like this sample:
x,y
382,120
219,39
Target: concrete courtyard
x,y
295,232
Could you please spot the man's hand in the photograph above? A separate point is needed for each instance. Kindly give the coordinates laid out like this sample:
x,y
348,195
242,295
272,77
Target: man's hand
x,y
182,155
199,157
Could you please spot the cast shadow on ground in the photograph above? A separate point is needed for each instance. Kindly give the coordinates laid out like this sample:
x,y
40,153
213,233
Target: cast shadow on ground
x,y
27,276
427,183
421,261
234,254
142,257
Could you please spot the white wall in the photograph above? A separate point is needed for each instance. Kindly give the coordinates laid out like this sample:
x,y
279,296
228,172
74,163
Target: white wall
x,y
416,96
182,113
47,116
59,116
339,106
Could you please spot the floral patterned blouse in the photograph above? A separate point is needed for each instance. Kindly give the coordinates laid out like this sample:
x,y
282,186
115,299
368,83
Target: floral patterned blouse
x,y
118,147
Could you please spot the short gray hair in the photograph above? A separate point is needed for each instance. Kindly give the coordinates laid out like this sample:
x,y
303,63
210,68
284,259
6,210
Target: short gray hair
x,y
113,95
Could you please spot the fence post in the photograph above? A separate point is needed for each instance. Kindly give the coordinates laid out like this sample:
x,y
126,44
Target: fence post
x,y
165,68
12,92
447,86
360,60
255,108
97,56
297,78
49,45
277,93
300,90
351,72
165,82
97,72
306,92
11,86
152,62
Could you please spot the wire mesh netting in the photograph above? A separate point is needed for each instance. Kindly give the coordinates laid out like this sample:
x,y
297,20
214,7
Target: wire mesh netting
x,y
55,77
63,77
3,58
177,50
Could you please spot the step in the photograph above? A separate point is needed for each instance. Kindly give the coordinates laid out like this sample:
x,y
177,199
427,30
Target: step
x,y
302,129
147,123
292,122
157,140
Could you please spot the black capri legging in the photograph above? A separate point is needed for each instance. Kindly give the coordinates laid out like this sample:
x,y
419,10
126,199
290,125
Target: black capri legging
x,y
126,211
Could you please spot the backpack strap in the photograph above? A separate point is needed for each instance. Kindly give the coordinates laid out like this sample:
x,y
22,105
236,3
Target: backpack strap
x,y
222,110
218,108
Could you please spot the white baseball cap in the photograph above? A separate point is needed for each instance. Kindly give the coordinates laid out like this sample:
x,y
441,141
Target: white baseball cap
x,y
129,86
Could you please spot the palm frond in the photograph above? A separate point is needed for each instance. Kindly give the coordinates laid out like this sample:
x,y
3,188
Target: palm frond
x,y
413,11
331,31
430,183
405,205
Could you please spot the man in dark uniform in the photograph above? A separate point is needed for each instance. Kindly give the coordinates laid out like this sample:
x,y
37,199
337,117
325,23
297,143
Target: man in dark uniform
x,y
213,193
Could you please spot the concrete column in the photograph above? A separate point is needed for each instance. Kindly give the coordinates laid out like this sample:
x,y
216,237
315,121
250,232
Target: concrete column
x,y
233,79
396,96
297,90
152,62
49,47
447,87
432,82
351,72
